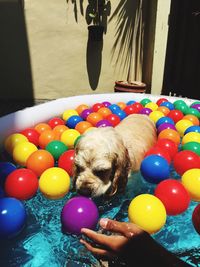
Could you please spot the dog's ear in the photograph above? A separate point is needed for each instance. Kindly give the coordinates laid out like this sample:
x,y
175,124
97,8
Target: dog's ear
x,y
122,170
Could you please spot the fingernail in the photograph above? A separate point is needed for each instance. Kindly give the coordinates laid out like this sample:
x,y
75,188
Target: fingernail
x,y
103,222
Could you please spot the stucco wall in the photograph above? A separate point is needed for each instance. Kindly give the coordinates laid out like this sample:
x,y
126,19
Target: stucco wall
x,y
58,50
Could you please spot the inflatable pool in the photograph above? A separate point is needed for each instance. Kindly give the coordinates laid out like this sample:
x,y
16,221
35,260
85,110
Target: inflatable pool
x,y
42,242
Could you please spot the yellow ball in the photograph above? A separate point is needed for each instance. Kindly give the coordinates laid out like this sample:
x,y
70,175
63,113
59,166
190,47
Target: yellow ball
x,y
68,113
153,106
22,151
69,137
191,181
191,137
54,183
156,115
182,125
148,212
12,140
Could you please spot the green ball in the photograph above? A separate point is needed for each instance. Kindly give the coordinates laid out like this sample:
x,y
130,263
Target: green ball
x,y
77,140
145,101
182,107
194,112
56,148
192,146
194,103
178,103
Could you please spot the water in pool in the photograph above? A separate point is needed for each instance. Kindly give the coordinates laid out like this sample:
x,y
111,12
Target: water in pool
x,y
42,242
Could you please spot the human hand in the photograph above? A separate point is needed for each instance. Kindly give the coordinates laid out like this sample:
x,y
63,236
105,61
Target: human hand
x,y
110,246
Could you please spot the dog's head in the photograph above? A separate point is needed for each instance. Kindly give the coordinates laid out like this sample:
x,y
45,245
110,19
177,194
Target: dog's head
x,y
101,163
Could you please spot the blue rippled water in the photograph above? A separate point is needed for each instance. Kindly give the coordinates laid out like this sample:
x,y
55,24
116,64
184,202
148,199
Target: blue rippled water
x,y
42,243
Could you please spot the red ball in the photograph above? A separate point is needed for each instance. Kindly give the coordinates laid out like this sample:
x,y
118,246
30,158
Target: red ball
x,y
186,160
138,106
156,150
21,184
55,121
130,109
113,119
176,115
168,145
161,100
97,106
32,135
196,218
66,161
173,195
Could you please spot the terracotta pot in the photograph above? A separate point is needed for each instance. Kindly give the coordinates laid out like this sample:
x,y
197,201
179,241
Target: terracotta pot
x,y
133,87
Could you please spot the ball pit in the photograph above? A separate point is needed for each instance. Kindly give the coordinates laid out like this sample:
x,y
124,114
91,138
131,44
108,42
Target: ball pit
x,y
44,208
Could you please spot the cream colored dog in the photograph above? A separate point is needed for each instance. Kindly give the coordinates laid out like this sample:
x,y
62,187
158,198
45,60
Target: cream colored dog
x,y
104,157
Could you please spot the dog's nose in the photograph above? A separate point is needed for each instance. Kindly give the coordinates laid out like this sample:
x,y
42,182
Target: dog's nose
x,y
85,191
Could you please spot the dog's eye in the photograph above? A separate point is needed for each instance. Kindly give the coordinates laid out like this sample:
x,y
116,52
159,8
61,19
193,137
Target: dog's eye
x,y
79,168
101,173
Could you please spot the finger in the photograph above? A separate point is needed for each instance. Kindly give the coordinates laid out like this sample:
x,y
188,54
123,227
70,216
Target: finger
x,y
124,228
100,252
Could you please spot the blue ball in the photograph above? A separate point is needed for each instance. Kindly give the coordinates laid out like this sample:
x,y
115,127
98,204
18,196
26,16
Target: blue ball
x,y
1,192
164,119
130,102
120,113
155,169
12,217
114,108
193,128
167,104
72,121
5,169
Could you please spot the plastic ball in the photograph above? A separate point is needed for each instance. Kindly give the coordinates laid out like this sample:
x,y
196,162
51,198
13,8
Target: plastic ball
x,y
145,111
58,130
148,212
46,137
173,195
113,119
175,115
196,218
81,108
56,148
137,106
196,106
122,105
5,169
179,103
183,107
191,180
130,102
32,135
154,169
103,123
192,146
94,117
54,183
164,119
120,113
78,213
170,134
21,184
164,110
153,106
84,114
39,161
68,113
194,112
104,112
156,150
97,106
145,101
41,127
114,108
165,126
193,128
191,137
82,126
69,137
13,140
169,146
185,160
2,194
156,115
73,120
182,126
168,104
161,100
130,109
12,217
22,151
55,122
66,161
106,103
194,119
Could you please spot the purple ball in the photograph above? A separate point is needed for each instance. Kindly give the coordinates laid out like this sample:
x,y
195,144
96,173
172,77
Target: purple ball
x,y
164,126
106,104
196,106
103,123
77,213
85,113
145,111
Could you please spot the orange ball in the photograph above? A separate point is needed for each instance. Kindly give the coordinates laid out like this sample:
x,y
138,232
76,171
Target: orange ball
x,y
58,130
39,161
46,137
122,105
82,126
164,110
104,112
94,117
192,118
81,107
41,127
170,134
